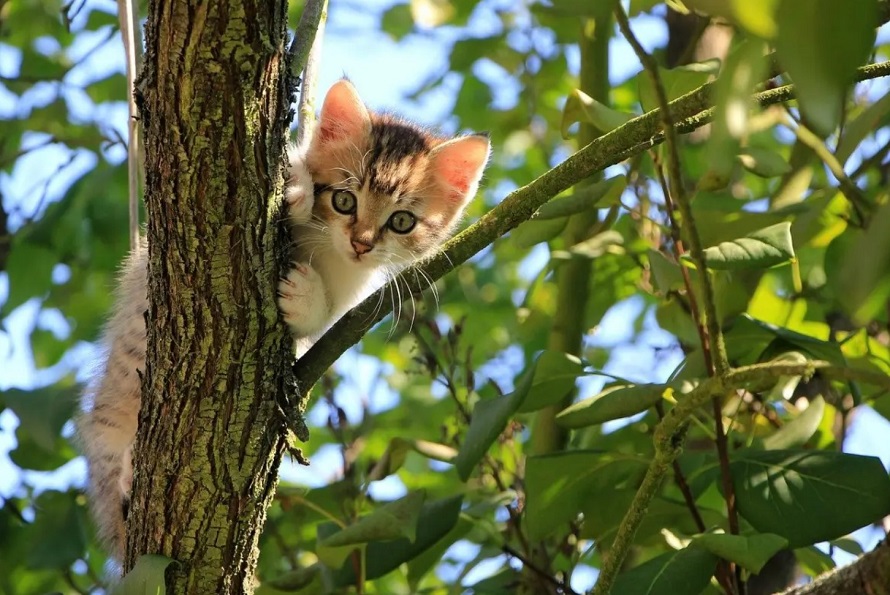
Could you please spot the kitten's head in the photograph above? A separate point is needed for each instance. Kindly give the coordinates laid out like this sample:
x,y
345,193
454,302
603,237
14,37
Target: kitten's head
x,y
388,191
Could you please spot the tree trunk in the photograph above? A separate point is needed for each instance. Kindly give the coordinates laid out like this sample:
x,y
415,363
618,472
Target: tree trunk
x,y
215,108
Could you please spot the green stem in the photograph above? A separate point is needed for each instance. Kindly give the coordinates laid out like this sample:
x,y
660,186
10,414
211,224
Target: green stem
x,y
304,36
691,111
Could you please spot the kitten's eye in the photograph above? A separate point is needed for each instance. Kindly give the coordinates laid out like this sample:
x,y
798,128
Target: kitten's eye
x,y
343,202
402,222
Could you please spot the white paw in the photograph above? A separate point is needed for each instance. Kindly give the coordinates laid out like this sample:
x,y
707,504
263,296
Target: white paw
x,y
299,191
125,480
302,300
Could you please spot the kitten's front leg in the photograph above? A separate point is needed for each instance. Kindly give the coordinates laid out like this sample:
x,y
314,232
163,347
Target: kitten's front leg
x,y
303,301
299,191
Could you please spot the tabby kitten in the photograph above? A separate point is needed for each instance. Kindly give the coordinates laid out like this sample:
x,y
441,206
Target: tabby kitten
x,y
369,195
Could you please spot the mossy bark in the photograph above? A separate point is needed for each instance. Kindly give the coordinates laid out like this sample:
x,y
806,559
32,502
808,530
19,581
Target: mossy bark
x,y
215,108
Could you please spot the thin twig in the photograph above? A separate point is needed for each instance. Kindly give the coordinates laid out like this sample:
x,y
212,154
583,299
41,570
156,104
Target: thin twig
x,y
712,342
127,17
680,480
678,192
306,109
304,56
562,586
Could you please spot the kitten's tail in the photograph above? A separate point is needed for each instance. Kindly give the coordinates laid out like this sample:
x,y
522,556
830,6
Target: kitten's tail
x,y
105,462
106,427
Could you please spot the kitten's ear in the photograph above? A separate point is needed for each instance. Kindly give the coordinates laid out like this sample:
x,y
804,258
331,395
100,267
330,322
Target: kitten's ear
x,y
458,165
343,115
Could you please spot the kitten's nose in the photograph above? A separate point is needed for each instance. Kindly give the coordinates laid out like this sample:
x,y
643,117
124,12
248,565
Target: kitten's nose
x,y
361,247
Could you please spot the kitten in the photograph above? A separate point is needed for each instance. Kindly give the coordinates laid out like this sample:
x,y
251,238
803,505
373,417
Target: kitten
x,y
367,196
386,194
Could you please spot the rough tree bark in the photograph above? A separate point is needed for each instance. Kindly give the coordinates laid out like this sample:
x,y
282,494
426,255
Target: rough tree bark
x,y
215,104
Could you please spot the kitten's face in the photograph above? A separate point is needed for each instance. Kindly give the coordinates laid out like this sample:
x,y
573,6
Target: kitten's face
x,y
387,192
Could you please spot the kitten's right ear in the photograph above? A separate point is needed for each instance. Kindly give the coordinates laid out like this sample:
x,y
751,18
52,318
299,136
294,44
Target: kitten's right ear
x,y
343,114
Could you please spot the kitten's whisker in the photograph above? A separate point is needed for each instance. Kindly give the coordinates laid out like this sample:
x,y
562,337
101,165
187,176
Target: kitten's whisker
x,y
398,317
413,306
429,280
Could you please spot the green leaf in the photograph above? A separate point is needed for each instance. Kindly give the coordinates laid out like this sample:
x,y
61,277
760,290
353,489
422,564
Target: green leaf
x,y
43,411
434,522
796,432
110,88
558,485
601,243
822,72
761,249
783,491
28,454
581,107
750,340
553,378
46,348
397,451
391,521
683,571
30,268
57,538
612,403
665,272
855,131
677,81
604,509
529,233
744,69
757,16
99,18
397,21
423,563
813,561
295,579
501,583
763,162
583,199
861,284
146,578
489,420
638,6
749,551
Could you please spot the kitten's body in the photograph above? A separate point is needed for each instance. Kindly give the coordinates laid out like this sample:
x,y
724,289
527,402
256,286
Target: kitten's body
x,y
367,197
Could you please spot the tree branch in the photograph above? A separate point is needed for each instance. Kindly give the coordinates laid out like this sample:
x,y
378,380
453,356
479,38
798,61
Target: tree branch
x,y
129,32
306,109
304,36
690,111
869,574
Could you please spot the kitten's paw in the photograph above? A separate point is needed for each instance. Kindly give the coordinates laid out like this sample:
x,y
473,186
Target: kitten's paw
x,y
302,300
299,191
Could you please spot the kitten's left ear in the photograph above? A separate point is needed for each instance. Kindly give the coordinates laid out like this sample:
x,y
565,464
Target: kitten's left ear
x,y
458,164
343,115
